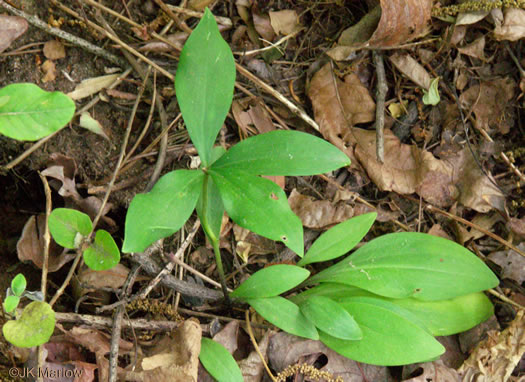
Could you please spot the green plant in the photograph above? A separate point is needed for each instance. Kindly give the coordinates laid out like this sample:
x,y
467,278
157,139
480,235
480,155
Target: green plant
x,y
35,325
71,229
382,304
28,113
227,180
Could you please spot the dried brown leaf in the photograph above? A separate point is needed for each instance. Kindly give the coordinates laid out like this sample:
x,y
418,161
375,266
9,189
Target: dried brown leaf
x,y
407,65
30,246
174,358
475,49
54,50
285,350
50,71
430,371
318,213
262,25
284,22
512,263
489,101
11,27
390,24
517,226
495,358
252,367
513,27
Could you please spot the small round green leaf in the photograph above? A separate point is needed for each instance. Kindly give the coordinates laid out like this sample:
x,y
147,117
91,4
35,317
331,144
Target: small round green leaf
x,y
331,318
219,362
33,328
285,315
103,253
18,284
10,303
271,281
28,113
339,239
65,224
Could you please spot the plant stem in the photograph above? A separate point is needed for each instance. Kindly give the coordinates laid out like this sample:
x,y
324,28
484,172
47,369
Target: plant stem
x,y
212,238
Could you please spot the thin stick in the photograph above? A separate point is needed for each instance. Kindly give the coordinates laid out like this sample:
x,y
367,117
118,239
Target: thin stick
x,y
64,285
197,273
256,346
505,298
169,267
122,153
47,240
381,91
220,20
96,50
476,227
267,88
181,24
106,322
269,47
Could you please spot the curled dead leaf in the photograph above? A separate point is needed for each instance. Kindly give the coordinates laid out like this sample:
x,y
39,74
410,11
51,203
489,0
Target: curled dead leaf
x,y
318,213
30,246
513,26
389,24
54,50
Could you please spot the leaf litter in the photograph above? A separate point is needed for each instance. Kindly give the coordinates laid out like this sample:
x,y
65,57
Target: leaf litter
x,y
433,164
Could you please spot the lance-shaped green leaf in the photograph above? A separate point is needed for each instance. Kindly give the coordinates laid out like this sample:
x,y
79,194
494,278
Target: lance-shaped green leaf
x,y
285,315
331,318
103,253
34,327
11,303
441,318
259,205
391,336
68,226
410,264
339,239
219,362
204,84
163,211
28,113
271,281
283,152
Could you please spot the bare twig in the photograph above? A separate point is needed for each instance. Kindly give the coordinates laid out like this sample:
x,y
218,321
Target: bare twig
x,y
381,90
106,322
476,227
256,346
116,328
181,24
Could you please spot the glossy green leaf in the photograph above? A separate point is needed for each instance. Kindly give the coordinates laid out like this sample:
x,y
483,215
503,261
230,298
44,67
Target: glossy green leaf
x,y
339,239
410,264
271,281
331,318
283,152
218,361
259,205
28,113
210,209
68,226
441,318
163,211
18,285
390,336
10,303
204,84
285,315
34,327
103,253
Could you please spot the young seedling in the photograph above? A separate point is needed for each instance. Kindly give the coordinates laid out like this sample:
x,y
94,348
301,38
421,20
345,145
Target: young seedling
x,y
227,180
35,325
70,229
